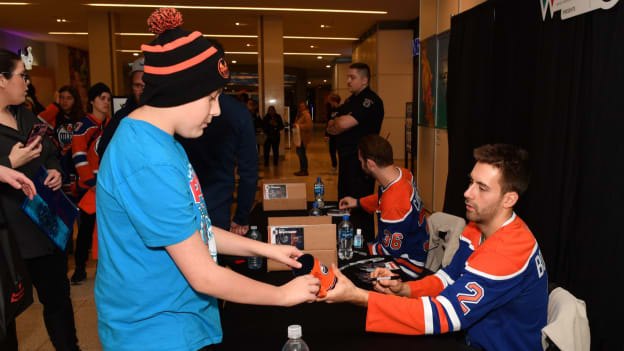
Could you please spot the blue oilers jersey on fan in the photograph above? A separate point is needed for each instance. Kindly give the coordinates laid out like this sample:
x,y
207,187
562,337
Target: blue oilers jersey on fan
x,y
402,231
495,289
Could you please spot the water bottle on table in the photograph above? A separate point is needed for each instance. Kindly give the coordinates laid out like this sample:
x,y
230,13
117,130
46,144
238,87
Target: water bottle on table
x,y
295,343
254,262
345,239
319,192
358,240
315,210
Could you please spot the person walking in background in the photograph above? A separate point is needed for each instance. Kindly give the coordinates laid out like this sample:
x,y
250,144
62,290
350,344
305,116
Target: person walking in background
x,y
132,102
87,162
46,263
333,105
273,125
304,124
61,116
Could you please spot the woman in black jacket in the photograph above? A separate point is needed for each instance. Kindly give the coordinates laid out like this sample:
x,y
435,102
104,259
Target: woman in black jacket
x,y
45,262
273,124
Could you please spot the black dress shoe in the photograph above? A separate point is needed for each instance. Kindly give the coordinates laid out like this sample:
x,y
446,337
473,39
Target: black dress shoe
x,y
78,277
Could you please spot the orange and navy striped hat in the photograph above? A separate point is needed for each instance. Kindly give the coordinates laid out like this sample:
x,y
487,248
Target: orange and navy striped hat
x,y
180,66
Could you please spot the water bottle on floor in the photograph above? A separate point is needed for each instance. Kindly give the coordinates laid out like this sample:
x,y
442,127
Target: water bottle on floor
x,y
255,262
295,343
319,192
315,210
345,239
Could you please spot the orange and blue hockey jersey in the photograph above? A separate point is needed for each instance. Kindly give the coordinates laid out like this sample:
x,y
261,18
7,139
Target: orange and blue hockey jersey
x,y
87,133
495,289
402,227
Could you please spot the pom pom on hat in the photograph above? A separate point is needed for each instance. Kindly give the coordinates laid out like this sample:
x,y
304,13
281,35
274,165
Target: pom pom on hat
x,y
163,19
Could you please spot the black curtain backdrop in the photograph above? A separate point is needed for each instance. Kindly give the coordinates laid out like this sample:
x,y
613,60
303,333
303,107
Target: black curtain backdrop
x,y
555,88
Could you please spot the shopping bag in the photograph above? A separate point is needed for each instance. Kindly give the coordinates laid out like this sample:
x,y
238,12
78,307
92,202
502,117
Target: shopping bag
x,y
15,285
296,132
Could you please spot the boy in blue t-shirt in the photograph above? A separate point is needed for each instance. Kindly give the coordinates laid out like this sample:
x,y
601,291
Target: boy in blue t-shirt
x,y
158,279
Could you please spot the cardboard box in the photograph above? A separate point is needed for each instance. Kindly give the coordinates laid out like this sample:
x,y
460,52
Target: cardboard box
x,y
313,235
283,194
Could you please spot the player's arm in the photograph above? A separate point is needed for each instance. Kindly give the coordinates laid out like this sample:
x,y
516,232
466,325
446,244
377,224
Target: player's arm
x,y
194,261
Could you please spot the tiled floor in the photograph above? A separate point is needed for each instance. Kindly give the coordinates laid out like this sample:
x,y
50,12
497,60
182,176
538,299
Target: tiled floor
x,y
30,328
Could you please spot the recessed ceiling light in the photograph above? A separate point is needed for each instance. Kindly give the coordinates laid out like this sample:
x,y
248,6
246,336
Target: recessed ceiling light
x,y
324,80
248,45
58,19
68,33
309,83
319,57
233,61
135,54
322,26
237,23
241,8
312,46
327,66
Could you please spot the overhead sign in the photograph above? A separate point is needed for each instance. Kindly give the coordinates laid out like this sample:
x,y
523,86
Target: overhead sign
x,y
571,8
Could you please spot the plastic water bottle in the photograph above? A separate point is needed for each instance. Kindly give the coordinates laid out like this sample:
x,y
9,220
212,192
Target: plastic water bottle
x,y
254,262
315,210
295,343
319,192
345,239
358,241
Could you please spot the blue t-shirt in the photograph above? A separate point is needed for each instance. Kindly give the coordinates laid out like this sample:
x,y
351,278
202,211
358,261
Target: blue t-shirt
x,y
148,197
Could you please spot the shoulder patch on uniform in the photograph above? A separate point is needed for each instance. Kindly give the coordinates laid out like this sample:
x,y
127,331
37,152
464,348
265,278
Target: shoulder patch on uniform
x,y
367,102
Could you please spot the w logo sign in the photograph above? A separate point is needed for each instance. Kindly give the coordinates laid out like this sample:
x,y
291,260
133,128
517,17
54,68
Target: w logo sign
x,y
571,8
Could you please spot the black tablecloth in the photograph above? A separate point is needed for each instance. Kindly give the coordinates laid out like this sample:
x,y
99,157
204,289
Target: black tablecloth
x,y
325,326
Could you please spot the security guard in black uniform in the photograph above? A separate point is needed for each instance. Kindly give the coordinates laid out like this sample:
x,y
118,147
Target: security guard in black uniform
x,y
360,115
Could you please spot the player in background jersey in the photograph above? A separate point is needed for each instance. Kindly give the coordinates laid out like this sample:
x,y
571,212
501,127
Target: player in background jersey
x,y
495,289
402,228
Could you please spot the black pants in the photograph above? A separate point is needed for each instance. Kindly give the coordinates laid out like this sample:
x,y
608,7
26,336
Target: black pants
x,y
271,144
333,151
9,343
303,159
352,181
49,277
84,240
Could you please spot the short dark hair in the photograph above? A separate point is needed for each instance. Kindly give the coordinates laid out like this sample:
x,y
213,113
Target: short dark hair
x,y
512,161
362,69
377,149
8,62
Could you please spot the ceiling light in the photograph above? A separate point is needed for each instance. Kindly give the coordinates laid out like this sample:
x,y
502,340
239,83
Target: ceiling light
x,y
324,80
309,83
272,101
319,57
58,19
241,52
128,51
240,8
68,33
322,26
14,3
248,45
311,46
237,23
245,36
311,54
319,38
327,66
135,54
233,61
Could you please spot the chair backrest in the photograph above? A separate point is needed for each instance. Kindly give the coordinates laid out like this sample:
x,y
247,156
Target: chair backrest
x,y
444,233
567,327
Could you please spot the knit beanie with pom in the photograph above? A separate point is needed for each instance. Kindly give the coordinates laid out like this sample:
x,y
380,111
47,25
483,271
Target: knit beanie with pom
x,y
180,66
